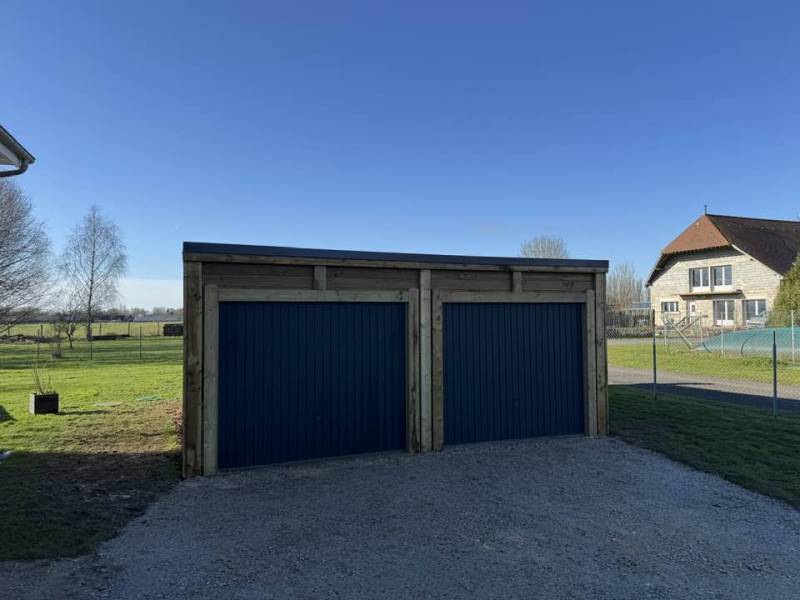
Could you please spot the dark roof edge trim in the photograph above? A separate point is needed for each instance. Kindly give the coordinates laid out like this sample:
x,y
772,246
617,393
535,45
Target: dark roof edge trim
x,y
10,141
288,252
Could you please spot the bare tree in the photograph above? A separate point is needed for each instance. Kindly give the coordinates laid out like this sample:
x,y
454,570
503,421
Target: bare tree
x,y
545,246
623,287
24,257
93,262
68,317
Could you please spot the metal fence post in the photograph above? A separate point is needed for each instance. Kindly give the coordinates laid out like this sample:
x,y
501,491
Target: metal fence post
x,y
140,342
792,313
774,375
722,339
655,372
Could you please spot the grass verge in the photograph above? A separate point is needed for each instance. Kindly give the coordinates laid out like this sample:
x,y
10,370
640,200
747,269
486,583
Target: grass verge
x,y
746,446
696,362
75,478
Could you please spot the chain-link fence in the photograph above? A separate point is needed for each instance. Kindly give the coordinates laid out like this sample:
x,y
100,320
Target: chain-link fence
x,y
737,354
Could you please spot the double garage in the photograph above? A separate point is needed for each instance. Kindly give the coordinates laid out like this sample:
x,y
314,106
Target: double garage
x,y
294,354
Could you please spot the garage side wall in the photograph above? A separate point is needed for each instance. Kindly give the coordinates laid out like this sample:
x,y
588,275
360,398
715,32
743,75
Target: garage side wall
x,y
422,284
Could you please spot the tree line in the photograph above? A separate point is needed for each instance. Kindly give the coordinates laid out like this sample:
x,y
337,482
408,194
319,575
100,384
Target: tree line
x,y
624,288
78,283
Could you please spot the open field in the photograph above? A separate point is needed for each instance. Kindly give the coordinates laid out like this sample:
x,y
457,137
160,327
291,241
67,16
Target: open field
x,y
148,328
679,359
744,445
75,478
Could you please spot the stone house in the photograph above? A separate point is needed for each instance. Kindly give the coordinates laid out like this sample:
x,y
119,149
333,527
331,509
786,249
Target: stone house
x,y
725,269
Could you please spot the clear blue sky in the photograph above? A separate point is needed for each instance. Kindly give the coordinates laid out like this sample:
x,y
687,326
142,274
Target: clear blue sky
x,y
411,126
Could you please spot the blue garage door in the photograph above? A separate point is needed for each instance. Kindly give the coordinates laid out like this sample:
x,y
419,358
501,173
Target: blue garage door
x,y
302,380
512,371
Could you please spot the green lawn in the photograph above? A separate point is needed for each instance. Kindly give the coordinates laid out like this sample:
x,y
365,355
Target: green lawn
x,y
747,446
75,478
682,360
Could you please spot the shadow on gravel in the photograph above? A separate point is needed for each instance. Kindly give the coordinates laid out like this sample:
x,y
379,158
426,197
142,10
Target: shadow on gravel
x,y
64,504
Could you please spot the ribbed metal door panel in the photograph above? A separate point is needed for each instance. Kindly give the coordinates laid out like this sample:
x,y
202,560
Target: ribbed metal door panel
x,y
512,371
306,380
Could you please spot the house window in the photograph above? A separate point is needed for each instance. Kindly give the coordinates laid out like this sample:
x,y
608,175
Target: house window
x,y
698,278
669,307
722,276
754,309
724,312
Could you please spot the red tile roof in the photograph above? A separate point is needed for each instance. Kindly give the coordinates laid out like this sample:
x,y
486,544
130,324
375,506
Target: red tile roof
x,y
771,242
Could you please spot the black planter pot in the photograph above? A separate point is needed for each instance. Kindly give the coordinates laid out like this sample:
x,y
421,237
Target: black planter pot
x,y
44,403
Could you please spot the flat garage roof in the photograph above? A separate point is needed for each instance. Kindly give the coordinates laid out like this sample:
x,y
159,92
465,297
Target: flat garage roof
x,y
289,252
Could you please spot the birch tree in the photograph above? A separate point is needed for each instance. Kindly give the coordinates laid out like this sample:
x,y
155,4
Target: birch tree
x,y
94,260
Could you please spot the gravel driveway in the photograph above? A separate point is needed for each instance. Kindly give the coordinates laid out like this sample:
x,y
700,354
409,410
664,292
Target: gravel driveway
x,y
565,518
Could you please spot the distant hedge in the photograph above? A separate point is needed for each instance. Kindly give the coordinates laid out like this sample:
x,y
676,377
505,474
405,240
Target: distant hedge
x,y
173,329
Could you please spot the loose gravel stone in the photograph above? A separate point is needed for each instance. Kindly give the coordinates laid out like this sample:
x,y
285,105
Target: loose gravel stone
x,y
555,518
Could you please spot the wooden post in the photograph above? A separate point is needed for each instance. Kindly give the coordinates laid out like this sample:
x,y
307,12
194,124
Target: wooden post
x,y
192,368
320,277
210,379
426,440
437,371
591,365
600,347
516,281
412,364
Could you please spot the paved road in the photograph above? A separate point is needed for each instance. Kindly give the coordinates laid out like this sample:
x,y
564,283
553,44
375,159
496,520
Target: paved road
x,y
748,393
557,519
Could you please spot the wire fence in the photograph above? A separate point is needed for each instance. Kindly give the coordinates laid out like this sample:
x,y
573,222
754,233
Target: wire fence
x,y
112,342
100,329
750,359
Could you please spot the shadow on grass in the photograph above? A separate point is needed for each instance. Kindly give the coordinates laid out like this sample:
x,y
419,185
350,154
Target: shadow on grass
x,y
745,445
5,415
696,390
65,504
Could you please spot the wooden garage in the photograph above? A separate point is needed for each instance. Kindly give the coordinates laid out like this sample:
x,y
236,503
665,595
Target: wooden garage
x,y
292,354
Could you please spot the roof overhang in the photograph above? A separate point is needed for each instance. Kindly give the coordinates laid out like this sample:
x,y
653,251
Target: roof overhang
x,y
210,252
13,154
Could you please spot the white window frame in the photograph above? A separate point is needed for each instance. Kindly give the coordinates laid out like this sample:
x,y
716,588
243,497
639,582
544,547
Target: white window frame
x,y
674,303
747,316
725,285
729,314
702,270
